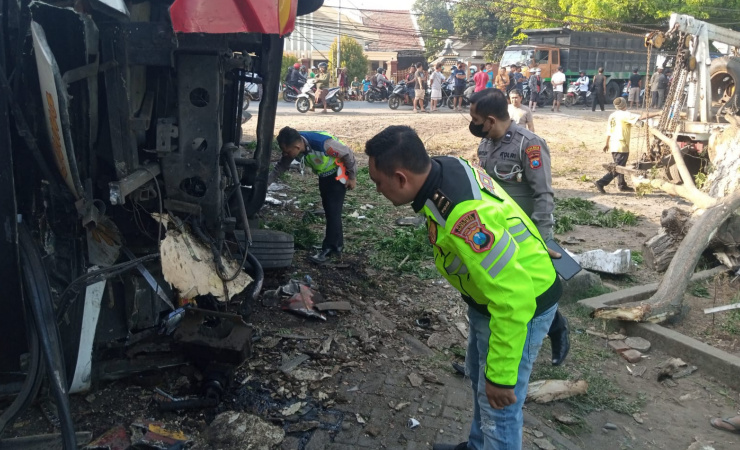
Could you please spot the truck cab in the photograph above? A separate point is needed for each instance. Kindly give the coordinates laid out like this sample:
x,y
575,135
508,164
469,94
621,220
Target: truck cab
x,y
533,56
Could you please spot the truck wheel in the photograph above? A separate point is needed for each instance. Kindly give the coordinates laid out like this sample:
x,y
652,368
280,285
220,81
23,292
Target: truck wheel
x,y
273,249
613,90
724,74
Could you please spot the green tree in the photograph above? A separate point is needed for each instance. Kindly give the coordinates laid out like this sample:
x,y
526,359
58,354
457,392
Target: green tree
x,y
483,20
353,58
435,24
288,61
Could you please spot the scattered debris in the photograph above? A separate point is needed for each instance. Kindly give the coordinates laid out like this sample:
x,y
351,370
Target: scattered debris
x,y
359,418
430,377
326,345
638,371
288,366
442,340
462,327
670,367
270,200
572,240
544,444
232,430
669,383
149,434
618,346
227,338
610,426
638,418
423,322
373,431
545,391
701,445
632,355
292,409
301,427
308,375
610,337
415,379
413,423
618,262
685,372
302,303
187,265
115,438
334,306
357,215
401,405
566,419
638,343
415,221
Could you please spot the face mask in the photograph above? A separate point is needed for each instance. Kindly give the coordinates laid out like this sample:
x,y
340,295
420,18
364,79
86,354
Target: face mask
x,y
477,130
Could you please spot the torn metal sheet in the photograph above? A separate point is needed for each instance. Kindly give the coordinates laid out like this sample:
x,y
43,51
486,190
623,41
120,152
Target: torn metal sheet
x,y
83,370
187,264
114,439
155,435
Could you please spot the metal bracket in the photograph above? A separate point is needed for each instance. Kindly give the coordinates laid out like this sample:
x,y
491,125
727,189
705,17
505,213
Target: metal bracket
x,y
123,187
166,132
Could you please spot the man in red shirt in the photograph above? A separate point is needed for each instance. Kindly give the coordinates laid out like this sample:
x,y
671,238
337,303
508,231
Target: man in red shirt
x,y
481,79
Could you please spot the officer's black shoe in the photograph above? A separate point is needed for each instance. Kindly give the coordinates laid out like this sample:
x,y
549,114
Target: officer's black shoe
x,y
460,446
626,189
321,257
599,187
559,339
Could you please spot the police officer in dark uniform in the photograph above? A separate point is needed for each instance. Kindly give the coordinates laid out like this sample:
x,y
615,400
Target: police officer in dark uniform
x,y
519,161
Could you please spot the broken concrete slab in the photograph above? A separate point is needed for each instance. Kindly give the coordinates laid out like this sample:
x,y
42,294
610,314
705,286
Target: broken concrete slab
x,y
581,282
632,355
640,344
442,340
233,430
618,346
415,379
335,306
618,262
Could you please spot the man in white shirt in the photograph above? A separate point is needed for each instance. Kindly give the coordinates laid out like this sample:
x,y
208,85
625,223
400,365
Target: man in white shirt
x,y
557,80
521,115
435,83
582,84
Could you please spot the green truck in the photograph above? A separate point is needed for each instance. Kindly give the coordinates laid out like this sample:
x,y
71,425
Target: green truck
x,y
618,53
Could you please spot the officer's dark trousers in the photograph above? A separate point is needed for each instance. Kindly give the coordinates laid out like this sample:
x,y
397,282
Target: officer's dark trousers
x,y
598,95
655,99
620,159
332,198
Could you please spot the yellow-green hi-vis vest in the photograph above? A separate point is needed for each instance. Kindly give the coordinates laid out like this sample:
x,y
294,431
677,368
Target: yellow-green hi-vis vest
x,y
489,250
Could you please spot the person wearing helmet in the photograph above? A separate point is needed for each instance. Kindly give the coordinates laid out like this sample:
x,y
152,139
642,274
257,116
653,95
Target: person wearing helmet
x,y
480,78
535,86
312,73
381,81
297,77
322,84
297,65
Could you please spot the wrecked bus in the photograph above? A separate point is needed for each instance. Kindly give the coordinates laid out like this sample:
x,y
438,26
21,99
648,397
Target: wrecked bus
x,y
125,194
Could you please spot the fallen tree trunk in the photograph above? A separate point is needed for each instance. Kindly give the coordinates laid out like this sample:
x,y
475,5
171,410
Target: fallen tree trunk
x,y
668,299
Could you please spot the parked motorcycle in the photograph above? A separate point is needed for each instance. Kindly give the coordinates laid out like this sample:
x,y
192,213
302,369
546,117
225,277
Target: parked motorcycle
x,y
291,91
307,99
402,95
573,97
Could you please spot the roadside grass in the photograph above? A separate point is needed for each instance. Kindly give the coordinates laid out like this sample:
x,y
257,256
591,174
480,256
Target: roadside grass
x,y
577,211
731,324
699,290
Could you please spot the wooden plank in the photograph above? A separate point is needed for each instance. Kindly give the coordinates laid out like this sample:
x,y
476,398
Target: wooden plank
x,y
721,308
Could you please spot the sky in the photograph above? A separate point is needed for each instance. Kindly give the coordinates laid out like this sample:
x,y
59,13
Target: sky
x,y
374,4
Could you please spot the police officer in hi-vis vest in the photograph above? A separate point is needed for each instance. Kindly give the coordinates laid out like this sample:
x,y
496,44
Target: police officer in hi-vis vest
x,y
335,165
489,250
519,161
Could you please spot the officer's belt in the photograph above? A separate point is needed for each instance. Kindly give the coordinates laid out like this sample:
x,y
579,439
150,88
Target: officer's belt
x,y
331,172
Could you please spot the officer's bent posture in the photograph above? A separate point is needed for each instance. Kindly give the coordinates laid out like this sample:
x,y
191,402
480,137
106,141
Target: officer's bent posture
x,y
335,165
490,251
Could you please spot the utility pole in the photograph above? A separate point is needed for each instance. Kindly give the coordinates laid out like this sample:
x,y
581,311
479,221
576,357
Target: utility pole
x,y
339,35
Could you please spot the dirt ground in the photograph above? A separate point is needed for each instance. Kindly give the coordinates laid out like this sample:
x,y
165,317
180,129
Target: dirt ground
x,y
375,367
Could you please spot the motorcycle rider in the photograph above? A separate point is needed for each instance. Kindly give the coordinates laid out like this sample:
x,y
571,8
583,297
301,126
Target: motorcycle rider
x,y
382,82
298,77
322,83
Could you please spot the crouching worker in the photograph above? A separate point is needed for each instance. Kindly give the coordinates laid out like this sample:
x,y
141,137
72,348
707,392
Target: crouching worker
x,y
490,251
335,165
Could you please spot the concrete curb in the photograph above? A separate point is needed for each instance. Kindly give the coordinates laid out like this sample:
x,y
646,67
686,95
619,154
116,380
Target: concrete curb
x,y
716,363
724,366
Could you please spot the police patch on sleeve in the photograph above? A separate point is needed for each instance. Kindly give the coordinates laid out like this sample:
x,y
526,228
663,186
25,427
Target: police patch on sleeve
x,y
432,229
470,228
533,154
332,152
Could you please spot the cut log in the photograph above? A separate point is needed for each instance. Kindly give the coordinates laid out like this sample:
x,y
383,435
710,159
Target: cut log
x,y
658,251
674,220
668,299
